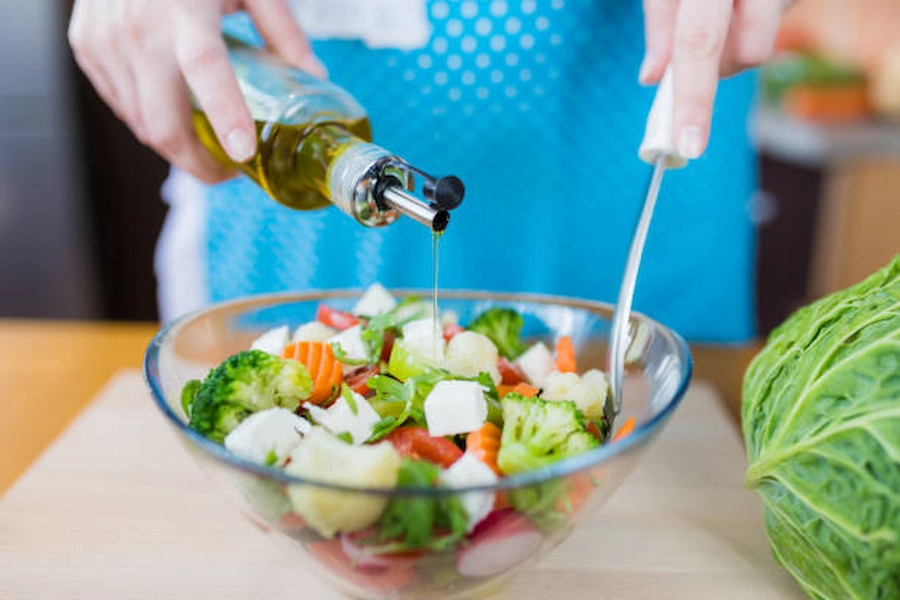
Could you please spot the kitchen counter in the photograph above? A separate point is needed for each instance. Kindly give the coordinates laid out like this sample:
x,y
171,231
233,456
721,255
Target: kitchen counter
x,y
49,370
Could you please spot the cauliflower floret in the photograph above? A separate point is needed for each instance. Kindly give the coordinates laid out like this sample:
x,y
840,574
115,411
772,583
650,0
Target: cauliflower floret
x,y
449,317
273,341
470,353
588,392
323,457
314,331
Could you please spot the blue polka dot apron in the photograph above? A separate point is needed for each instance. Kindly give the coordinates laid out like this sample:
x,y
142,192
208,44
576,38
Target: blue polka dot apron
x,y
535,106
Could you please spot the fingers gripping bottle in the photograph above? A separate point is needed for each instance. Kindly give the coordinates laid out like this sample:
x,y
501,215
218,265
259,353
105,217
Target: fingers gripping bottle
x,y
314,149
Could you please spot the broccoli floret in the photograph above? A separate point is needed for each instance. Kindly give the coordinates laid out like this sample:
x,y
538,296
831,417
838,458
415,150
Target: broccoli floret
x,y
502,326
244,383
538,432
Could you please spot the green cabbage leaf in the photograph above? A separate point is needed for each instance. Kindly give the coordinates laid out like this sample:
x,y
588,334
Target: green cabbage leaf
x,y
821,422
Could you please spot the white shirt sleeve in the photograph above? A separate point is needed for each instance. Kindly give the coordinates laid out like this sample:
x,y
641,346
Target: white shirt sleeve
x,y
178,260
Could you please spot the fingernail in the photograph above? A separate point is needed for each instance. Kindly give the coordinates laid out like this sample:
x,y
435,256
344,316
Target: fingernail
x,y
644,73
240,145
690,142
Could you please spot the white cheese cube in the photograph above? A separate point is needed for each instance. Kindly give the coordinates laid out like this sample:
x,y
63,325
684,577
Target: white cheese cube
x,y
314,331
267,436
469,470
349,346
454,407
340,418
470,353
536,363
375,301
587,391
422,337
273,341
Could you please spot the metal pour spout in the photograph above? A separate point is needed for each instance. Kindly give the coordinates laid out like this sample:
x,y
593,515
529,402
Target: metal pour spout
x,y
435,219
444,194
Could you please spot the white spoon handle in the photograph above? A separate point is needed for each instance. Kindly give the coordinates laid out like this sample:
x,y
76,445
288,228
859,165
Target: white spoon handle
x,y
659,132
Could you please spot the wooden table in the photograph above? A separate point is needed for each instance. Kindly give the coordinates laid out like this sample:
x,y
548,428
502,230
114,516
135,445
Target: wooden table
x,y
49,370
115,507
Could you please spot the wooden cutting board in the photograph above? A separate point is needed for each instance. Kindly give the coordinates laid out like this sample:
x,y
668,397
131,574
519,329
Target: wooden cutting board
x,y
117,509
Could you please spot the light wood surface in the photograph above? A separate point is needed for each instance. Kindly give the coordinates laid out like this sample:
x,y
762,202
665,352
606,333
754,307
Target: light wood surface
x,y
116,508
49,370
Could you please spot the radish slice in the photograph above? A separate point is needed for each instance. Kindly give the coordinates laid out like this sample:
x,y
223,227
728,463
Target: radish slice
x,y
363,557
372,580
501,541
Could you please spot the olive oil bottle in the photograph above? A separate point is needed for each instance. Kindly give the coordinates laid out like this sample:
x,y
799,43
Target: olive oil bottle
x,y
314,149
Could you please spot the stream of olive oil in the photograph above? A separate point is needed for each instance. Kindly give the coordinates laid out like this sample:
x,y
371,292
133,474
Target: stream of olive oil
x,y
435,246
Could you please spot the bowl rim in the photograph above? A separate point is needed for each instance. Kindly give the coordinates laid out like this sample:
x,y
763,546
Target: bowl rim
x,y
596,456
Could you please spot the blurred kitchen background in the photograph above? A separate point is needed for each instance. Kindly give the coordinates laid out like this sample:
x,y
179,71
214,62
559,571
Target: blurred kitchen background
x,y
80,207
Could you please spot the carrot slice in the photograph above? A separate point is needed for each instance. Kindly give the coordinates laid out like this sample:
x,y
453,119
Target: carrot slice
x,y
323,366
504,389
626,428
527,390
484,443
523,388
565,355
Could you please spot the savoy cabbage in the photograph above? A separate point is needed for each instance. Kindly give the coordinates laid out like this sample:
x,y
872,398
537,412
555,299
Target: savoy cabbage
x,y
821,422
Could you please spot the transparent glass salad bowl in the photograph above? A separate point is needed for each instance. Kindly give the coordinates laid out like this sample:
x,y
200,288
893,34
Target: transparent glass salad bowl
x,y
511,538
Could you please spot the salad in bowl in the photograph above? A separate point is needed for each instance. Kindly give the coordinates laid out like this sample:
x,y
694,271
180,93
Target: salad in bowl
x,y
409,452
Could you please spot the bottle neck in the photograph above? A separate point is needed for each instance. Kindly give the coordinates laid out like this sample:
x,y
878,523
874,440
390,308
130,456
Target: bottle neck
x,y
352,179
370,184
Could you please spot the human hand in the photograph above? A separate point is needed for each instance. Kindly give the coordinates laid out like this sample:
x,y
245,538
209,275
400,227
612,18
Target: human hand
x,y
142,56
704,40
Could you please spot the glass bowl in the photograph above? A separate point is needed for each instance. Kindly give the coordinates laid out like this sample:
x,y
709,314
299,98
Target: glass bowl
x,y
550,502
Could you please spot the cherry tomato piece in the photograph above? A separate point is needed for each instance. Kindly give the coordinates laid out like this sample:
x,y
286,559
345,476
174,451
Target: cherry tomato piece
x,y
415,442
357,378
334,318
450,330
509,373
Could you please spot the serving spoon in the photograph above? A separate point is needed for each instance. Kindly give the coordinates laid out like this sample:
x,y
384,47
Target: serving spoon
x,y
658,149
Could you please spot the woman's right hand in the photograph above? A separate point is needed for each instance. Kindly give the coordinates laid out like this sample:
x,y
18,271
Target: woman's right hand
x,y
142,56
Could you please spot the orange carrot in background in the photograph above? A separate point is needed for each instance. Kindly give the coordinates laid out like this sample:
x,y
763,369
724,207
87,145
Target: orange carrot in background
x,y
578,488
565,355
484,443
323,366
626,428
